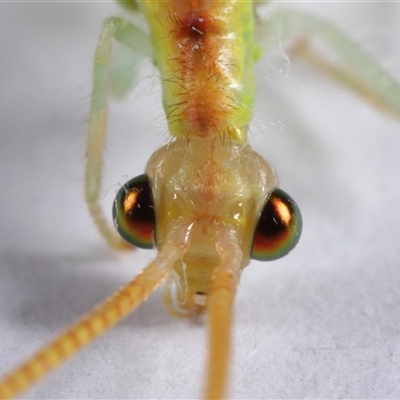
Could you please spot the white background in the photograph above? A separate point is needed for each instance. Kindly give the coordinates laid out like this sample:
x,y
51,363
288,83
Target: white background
x,y
324,322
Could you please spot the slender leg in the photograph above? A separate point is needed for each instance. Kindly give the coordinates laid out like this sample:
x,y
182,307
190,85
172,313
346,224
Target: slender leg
x,y
220,308
355,70
137,41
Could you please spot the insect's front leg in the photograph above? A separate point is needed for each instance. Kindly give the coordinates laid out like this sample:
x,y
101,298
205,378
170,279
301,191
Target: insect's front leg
x,y
103,80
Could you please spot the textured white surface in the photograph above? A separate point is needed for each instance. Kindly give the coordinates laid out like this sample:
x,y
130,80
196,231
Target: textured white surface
x,y
321,323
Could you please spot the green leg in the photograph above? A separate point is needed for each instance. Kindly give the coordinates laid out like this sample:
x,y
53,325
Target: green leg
x,y
103,80
355,69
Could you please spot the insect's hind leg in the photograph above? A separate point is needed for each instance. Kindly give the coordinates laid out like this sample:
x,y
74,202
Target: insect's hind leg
x,y
352,67
103,80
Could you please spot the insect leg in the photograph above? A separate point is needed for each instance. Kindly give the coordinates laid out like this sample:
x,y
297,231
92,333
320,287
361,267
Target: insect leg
x,y
352,67
103,80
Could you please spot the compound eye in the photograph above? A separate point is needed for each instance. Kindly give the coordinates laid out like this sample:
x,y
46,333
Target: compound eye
x,y
133,212
278,229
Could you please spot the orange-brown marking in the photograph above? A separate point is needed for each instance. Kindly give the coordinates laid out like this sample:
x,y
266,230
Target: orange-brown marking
x,y
199,50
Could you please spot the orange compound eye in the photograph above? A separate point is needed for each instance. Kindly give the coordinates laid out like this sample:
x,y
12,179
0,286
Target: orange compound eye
x,y
278,229
133,212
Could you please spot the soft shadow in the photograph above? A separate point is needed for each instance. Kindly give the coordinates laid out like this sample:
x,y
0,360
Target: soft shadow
x,y
53,290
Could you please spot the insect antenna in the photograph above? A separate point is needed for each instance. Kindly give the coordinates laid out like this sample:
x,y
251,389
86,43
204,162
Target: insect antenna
x,y
220,307
100,319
